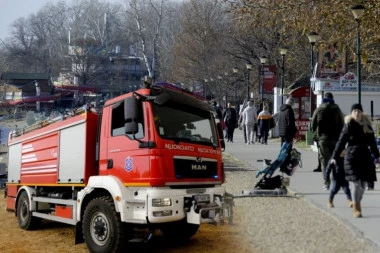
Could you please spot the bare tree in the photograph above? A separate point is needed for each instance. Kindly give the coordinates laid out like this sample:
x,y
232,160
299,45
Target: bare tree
x,y
149,18
200,43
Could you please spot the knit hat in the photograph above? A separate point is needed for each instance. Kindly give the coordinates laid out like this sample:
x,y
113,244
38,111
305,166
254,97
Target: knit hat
x,y
357,107
329,95
290,101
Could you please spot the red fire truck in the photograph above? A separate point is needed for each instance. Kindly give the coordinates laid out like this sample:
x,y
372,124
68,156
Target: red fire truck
x,y
151,159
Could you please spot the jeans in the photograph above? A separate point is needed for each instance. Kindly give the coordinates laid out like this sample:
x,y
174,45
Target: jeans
x,y
358,190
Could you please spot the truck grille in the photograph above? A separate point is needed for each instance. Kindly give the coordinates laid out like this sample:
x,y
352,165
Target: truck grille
x,y
195,167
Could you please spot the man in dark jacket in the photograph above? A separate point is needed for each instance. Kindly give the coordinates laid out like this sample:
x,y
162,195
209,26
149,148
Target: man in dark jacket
x,y
327,123
287,122
231,120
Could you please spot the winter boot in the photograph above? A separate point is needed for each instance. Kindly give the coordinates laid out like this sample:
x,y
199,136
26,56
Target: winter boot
x,y
356,207
350,203
330,203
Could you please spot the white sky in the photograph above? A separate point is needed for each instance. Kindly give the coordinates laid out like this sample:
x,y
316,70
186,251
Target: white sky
x,y
11,10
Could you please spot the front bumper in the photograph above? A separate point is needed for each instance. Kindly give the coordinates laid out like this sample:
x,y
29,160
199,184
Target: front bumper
x,y
210,205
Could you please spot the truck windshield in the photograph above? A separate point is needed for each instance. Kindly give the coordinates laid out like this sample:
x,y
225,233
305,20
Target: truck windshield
x,y
183,123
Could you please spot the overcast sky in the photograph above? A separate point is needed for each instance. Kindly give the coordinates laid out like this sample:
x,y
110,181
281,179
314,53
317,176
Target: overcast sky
x,y
11,10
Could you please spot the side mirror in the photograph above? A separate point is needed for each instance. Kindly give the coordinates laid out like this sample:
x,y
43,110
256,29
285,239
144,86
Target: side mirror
x,y
131,127
131,115
221,136
220,130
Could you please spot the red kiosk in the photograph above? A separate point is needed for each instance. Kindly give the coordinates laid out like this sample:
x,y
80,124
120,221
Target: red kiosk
x,y
301,110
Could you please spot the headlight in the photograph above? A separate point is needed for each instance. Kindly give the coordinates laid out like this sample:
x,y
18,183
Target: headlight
x,y
161,202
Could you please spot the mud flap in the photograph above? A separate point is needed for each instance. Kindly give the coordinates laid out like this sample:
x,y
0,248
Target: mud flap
x,y
78,233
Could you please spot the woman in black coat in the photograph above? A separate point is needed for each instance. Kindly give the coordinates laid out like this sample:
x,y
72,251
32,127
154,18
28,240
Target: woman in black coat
x,y
231,120
358,140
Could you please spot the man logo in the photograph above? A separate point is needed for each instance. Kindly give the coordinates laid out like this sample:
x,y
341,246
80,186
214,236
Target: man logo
x,y
199,159
198,167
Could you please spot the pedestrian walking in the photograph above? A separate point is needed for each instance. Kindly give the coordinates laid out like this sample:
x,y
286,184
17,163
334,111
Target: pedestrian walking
x,y
319,167
287,122
241,121
326,123
265,122
250,119
218,111
358,140
338,181
230,119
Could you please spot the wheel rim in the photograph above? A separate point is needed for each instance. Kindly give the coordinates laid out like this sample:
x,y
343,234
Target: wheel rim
x,y
99,229
24,211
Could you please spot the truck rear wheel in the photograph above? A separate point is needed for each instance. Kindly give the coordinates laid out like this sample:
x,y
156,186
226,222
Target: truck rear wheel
x,y
24,215
103,230
179,230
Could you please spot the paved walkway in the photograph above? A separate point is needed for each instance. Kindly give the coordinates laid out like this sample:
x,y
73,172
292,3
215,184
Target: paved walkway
x,y
309,184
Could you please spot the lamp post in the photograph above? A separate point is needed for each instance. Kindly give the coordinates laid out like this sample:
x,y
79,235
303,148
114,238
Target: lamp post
x,y
235,71
38,94
212,96
313,37
263,60
204,89
249,67
226,97
220,89
358,11
283,52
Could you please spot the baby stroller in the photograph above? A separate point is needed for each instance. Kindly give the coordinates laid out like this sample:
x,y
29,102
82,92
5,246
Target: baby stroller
x,y
287,161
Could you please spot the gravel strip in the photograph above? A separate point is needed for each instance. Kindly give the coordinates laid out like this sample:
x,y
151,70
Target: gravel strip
x,y
288,224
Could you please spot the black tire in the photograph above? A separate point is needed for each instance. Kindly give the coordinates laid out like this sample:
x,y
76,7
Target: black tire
x,y
24,215
179,230
103,230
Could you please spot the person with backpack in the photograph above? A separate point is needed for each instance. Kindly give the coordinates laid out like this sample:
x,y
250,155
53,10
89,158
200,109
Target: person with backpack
x,y
265,120
326,124
230,119
287,122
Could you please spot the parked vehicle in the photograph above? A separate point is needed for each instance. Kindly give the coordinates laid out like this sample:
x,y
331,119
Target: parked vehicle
x,y
151,159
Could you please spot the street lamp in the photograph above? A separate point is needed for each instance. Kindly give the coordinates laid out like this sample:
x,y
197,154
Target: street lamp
x,y
263,60
38,94
211,92
283,52
226,87
204,89
313,37
249,67
235,71
220,89
358,11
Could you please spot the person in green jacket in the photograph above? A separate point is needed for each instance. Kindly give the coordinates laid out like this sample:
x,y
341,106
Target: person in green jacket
x,y
327,123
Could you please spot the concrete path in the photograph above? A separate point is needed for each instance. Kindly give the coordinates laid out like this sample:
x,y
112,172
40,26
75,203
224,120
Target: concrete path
x,y
309,184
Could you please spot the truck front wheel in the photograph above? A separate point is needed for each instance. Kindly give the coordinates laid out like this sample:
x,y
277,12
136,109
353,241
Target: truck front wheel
x,y
24,214
103,230
179,230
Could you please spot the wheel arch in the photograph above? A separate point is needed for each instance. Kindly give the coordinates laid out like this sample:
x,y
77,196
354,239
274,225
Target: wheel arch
x,y
30,192
101,186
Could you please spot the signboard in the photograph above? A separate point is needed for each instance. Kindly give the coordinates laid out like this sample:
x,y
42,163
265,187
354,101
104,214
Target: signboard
x,y
269,78
331,62
349,80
